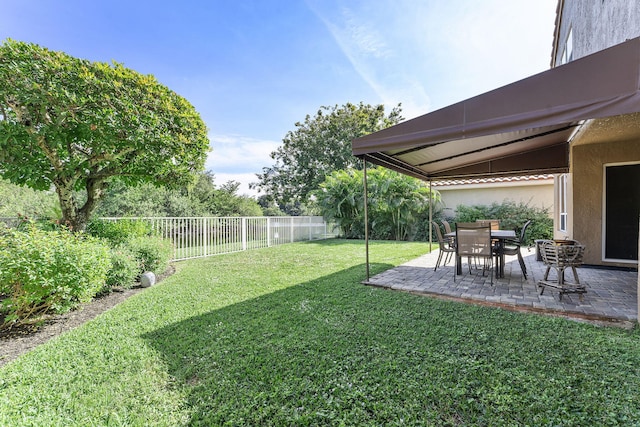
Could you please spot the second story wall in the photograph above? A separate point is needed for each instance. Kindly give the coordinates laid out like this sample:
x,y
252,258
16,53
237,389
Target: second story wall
x,y
584,27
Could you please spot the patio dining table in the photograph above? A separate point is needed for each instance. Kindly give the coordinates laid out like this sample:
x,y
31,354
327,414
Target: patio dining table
x,y
500,236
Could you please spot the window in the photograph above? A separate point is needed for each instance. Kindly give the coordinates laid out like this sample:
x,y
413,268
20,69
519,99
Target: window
x,y
563,216
567,52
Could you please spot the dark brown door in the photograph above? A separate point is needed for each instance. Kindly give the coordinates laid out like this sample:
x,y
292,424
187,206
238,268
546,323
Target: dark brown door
x,y
622,195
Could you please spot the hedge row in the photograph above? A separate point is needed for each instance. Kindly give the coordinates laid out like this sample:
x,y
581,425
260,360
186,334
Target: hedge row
x,y
512,216
53,271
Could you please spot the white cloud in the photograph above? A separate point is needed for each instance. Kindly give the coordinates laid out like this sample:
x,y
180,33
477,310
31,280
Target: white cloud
x,y
424,54
500,42
429,53
239,158
243,178
237,152
360,37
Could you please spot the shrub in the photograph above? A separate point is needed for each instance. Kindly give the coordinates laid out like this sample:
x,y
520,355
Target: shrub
x,y
153,253
397,203
125,268
135,248
512,216
422,231
49,271
119,232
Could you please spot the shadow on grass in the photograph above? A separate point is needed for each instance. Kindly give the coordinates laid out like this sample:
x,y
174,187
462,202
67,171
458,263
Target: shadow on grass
x,y
333,352
285,357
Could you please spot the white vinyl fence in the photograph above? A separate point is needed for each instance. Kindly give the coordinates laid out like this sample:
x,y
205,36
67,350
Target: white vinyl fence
x,y
202,237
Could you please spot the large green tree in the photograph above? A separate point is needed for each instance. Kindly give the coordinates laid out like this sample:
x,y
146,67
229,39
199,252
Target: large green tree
x,y
318,146
76,125
147,200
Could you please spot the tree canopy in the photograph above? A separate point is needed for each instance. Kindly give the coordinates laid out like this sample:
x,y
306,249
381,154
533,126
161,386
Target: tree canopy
x,y
77,125
318,146
202,199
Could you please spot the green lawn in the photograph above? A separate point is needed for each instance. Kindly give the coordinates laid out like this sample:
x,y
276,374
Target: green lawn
x,y
288,336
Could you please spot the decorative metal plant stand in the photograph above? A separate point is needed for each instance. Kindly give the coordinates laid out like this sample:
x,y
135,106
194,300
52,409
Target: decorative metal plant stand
x,y
560,255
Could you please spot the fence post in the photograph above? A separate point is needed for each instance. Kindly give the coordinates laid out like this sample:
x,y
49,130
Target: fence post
x,y
292,231
268,232
207,236
244,233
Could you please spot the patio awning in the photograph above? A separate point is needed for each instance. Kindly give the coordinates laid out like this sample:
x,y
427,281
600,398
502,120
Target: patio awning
x,y
523,128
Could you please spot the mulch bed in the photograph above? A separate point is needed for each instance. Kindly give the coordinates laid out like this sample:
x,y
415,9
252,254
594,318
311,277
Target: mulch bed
x,y
18,340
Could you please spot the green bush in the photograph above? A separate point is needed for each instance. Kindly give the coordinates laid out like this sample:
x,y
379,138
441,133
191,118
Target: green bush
x,y
48,271
135,248
120,231
512,216
153,253
422,231
125,268
397,205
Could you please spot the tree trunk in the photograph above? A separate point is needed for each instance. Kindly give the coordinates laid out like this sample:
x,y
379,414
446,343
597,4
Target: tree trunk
x,y
77,218
68,204
95,191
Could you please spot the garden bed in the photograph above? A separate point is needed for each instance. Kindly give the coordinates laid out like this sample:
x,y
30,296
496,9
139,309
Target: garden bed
x,y
20,339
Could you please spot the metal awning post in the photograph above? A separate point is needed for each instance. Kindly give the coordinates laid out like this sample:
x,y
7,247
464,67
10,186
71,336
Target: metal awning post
x,y
430,218
366,216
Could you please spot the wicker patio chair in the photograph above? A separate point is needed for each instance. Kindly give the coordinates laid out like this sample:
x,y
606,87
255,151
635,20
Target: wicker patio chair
x,y
560,255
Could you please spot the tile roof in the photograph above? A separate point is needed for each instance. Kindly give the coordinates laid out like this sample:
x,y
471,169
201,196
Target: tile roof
x,y
527,178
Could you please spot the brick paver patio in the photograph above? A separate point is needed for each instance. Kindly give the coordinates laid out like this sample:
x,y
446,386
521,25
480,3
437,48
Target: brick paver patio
x,y
611,296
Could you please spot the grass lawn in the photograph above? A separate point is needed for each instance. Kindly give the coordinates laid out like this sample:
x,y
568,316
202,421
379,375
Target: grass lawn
x,y
288,336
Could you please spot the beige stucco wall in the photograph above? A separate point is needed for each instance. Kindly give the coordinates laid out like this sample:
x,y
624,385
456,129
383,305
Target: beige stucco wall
x,y
587,168
537,193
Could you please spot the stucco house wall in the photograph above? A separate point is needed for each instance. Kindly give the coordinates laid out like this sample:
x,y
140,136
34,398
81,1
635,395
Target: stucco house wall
x,y
584,27
536,192
594,25
588,162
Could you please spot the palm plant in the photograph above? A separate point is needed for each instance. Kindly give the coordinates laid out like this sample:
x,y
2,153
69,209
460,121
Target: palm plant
x,y
397,203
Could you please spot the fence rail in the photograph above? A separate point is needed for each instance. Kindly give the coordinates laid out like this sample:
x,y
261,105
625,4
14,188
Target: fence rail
x,y
199,237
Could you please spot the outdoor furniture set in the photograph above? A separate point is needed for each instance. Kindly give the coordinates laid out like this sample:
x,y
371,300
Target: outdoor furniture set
x,y
484,241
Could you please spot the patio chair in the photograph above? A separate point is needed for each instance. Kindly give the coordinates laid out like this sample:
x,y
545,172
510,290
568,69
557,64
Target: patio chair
x,y
493,223
513,247
473,240
447,230
446,246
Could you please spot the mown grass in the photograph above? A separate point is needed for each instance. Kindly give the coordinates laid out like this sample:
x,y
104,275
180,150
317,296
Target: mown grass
x,y
288,336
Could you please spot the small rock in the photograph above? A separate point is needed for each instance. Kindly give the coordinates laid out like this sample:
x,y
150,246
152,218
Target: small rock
x,y
147,279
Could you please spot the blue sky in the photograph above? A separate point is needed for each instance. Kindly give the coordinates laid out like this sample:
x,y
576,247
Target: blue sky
x,y
253,68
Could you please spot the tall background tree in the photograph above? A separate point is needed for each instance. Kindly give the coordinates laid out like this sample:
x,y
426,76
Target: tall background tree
x,y
17,201
202,199
318,146
77,125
